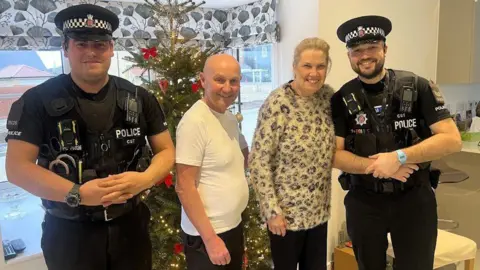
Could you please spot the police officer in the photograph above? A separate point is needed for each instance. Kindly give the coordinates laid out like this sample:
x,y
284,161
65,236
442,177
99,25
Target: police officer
x,y
78,141
387,122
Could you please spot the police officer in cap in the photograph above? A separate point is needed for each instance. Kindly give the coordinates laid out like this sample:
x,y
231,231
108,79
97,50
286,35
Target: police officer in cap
x,y
79,141
389,125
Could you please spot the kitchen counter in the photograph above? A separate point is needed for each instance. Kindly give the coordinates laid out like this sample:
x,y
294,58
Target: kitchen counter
x,y
471,147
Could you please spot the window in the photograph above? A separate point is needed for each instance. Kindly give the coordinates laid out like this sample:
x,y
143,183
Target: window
x,y
257,83
21,213
123,68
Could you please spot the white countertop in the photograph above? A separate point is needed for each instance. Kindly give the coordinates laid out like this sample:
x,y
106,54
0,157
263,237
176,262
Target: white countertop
x,y
471,147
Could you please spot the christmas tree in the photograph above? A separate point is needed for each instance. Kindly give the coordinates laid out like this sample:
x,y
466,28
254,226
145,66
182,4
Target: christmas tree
x,y
176,63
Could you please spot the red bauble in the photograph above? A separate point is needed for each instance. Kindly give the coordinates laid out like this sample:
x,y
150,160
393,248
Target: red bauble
x,y
245,260
168,180
163,84
196,86
178,248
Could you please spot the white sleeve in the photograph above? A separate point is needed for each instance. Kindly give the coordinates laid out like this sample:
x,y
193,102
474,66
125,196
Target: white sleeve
x,y
242,141
191,141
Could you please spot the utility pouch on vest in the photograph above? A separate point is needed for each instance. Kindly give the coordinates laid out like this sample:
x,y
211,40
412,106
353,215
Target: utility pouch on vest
x,y
386,142
350,143
88,175
365,144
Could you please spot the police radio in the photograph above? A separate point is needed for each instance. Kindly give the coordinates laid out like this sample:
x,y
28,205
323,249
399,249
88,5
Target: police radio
x,y
132,108
409,96
352,104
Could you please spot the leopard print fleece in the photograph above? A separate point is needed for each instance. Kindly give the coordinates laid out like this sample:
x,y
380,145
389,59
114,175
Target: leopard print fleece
x,y
292,154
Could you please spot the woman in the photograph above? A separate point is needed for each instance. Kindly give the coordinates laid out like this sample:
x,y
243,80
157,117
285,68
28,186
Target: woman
x,y
291,161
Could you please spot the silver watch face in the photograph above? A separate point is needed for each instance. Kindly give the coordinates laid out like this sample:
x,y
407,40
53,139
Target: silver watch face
x,y
72,200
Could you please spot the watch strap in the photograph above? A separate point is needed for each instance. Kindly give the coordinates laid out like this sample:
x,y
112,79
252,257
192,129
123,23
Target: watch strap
x,y
75,189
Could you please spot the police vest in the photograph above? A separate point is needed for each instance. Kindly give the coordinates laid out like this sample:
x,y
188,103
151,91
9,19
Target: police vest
x,y
393,125
89,154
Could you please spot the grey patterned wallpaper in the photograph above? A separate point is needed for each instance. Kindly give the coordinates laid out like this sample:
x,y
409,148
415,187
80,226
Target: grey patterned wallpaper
x,y
28,24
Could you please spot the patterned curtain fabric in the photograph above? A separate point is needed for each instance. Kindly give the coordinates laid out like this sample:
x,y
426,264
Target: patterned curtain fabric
x,y
28,24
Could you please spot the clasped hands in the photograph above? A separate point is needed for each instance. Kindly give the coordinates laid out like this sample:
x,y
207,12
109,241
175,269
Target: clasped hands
x,y
114,189
387,165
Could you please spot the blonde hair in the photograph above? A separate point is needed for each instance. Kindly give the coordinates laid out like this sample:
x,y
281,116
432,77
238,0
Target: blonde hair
x,y
312,43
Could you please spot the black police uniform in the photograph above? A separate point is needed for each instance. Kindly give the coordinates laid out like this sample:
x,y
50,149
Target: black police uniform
x,y
392,114
82,137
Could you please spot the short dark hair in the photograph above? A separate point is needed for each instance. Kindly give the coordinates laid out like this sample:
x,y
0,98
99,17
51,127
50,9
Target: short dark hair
x,y
477,110
66,40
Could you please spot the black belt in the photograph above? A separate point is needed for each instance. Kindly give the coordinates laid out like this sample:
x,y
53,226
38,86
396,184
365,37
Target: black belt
x,y
95,213
385,186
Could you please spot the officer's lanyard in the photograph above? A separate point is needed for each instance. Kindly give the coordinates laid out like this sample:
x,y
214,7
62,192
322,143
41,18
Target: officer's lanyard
x,y
386,98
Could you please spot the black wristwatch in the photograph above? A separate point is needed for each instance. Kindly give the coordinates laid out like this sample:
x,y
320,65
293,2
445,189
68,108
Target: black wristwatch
x,y
73,197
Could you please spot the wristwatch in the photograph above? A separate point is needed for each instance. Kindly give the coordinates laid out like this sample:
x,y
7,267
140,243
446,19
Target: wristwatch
x,y
401,156
73,197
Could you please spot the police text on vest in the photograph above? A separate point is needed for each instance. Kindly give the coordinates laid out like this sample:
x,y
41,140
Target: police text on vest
x,y
127,132
407,123
14,133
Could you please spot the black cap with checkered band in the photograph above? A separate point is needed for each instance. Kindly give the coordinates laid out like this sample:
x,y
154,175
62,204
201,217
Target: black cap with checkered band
x,y
364,29
87,22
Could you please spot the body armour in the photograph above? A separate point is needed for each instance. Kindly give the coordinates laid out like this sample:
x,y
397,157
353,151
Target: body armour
x,y
80,151
393,125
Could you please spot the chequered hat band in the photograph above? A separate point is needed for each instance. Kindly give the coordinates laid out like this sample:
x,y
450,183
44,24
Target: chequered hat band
x,y
375,31
87,24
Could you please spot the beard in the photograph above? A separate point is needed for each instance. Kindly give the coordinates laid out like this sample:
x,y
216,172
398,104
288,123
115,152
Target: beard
x,y
377,70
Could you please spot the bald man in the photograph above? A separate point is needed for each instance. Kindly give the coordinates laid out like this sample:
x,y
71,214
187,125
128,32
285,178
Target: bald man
x,y
211,181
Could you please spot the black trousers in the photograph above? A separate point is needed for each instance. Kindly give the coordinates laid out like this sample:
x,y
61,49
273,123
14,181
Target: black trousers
x,y
119,244
307,249
197,256
411,219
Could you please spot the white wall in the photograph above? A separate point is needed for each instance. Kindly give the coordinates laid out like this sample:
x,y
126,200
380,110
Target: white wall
x,y
298,19
412,46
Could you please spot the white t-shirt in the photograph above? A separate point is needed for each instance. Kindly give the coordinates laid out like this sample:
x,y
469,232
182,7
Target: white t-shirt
x,y
210,140
242,141
475,126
